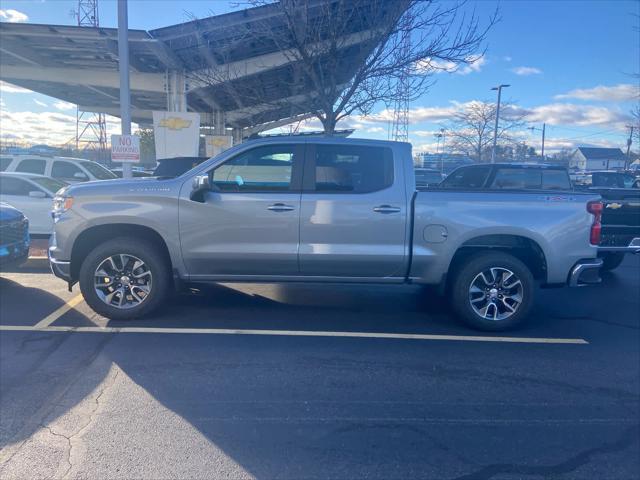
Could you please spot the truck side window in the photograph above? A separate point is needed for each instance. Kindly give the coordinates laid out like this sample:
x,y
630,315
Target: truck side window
x,y
261,169
352,168
517,179
32,166
556,180
467,177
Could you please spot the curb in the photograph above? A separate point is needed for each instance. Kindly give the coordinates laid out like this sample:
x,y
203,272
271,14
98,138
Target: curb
x,y
39,263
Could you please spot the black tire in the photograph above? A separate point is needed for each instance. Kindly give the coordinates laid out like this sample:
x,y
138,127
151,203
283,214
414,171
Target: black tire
x,y
611,261
146,251
469,273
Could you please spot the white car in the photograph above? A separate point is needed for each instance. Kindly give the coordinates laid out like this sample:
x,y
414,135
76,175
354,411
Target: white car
x,y
66,169
32,195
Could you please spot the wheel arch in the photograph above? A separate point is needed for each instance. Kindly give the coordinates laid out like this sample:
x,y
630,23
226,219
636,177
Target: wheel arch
x,y
525,249
98,234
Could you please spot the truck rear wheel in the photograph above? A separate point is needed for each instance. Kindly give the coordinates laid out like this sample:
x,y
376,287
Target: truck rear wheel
x,y
125,278
493,291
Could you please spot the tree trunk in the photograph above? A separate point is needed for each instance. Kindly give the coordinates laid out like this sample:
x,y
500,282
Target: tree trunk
x,y
329,123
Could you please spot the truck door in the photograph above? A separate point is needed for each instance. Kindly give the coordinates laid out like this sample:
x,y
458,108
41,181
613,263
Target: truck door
x,y
353,216
249,224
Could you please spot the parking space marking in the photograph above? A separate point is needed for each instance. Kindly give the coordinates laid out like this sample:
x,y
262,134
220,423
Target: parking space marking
x,y
294,333
49,319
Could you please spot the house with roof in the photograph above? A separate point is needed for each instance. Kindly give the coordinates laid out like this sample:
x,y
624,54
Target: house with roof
x,y
596,158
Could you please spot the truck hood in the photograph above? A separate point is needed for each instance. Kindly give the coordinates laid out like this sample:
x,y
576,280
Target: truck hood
x,y
120,186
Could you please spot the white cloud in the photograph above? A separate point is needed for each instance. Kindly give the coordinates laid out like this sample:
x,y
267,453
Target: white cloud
x,y
13,16
526,71
507,58
52,128
38,102
9,88
440,66
576,115
616,93
60,105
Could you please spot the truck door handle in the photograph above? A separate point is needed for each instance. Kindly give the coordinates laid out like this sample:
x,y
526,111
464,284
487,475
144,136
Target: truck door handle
x,y
280,207
386,209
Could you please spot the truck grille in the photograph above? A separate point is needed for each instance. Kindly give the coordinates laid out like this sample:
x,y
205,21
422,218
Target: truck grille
x,y
14,232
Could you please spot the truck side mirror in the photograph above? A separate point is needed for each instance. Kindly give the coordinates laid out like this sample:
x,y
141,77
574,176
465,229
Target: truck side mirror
x,y
201,185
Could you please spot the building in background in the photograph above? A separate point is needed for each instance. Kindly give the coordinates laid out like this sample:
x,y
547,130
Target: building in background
x,y
595,158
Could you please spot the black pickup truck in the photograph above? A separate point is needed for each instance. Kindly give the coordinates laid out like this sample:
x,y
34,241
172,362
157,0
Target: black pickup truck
x,y
620,192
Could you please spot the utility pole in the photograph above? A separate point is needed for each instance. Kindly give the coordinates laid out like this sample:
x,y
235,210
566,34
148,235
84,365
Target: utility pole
x,y
495,129
544,127
629,141
123,66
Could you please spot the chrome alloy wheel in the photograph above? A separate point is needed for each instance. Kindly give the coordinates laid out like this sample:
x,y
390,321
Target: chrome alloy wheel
x,y
122,281
495,294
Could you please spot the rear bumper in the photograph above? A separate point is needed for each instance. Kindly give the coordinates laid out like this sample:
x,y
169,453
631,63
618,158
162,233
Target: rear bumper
x,y
632,247
585,272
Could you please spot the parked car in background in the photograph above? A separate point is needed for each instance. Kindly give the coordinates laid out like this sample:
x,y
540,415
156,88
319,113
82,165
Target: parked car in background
x,y
174,167
134,173
321,210
66,169
32,195
605,179
509,176
427,177
14,236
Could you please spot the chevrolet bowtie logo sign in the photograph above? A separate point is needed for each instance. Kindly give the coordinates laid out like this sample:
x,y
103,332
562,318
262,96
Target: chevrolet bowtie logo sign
x,y
218,142
175,123
614,206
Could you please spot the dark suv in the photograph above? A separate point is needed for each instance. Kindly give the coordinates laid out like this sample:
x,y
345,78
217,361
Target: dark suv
x,y
508,176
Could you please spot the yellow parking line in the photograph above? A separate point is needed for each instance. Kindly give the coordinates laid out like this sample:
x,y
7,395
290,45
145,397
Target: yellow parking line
x,y
49,319
299,333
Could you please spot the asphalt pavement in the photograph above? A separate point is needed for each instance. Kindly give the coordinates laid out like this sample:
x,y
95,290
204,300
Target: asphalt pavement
x,y
317,381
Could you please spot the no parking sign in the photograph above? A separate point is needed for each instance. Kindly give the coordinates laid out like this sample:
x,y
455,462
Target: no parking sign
x,y
125,148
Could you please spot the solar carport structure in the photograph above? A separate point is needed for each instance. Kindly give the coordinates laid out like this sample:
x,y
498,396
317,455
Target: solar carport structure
x,y
191,66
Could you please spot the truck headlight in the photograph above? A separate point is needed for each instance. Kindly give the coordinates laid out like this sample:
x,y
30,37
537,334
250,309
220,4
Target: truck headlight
x,y
61,203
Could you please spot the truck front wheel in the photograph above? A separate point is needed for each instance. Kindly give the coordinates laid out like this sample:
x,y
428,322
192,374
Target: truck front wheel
x,y
124,278
493,291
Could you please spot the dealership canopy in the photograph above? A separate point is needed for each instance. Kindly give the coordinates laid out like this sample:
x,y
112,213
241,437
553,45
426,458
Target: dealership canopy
x,y
170,68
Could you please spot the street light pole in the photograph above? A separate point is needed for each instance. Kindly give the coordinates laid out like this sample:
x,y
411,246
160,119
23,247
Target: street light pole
x,y
444,139
123,66
495,129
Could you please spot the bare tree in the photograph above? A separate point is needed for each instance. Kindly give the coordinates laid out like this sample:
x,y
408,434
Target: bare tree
x,y
472,128
346,56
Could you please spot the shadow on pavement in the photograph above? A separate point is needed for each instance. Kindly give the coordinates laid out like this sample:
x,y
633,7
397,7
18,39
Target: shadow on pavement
x,y
307,407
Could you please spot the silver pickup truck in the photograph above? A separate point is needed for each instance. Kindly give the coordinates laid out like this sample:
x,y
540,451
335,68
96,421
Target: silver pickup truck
x,y
295,209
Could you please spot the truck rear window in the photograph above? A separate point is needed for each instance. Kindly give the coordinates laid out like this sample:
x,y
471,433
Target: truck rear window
x,y
467,177
530,179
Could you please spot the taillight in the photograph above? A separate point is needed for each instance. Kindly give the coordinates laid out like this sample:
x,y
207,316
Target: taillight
x,y
595,209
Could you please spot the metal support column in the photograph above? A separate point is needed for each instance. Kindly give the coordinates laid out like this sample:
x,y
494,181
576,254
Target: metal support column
x,y
176,88
123,66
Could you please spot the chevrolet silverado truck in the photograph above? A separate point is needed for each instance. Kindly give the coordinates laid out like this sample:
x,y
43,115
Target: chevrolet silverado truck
x,y
620,193
323,209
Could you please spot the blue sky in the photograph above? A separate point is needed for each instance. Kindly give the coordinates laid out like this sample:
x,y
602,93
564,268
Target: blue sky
x,y
569,64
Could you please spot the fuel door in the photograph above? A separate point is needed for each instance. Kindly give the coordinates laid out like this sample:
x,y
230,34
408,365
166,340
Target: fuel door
x,y
435,233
